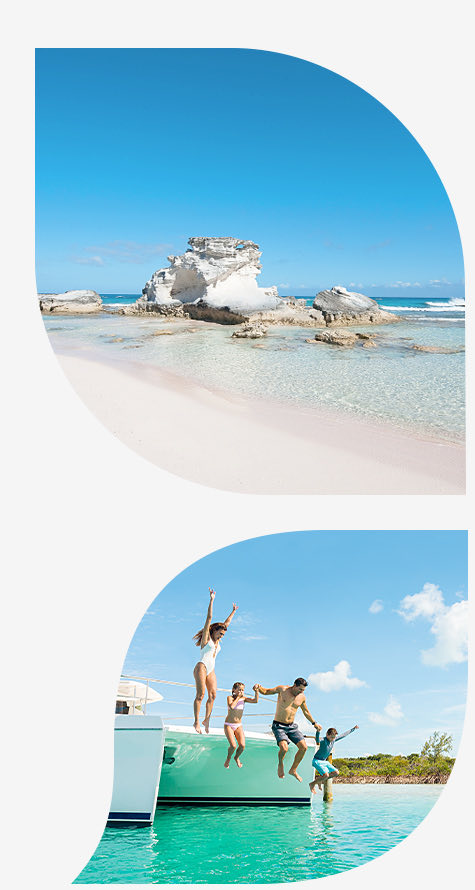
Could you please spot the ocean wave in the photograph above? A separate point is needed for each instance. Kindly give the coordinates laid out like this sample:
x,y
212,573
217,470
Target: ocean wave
x,y
430,307
453,303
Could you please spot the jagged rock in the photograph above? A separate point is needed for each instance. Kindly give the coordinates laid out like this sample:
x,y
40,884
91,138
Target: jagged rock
x,y
443,350
341,307
220,271
290,312
336,338
170,310
343,338
202,311
71,301
251,331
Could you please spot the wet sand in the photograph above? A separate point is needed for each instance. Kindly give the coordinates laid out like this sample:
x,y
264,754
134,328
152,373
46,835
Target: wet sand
x,y
251,446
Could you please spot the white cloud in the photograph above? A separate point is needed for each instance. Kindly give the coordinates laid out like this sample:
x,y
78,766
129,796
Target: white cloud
x,y
391,715
244,625
426,604
376,606
381,244
89,260
453,709
122,252
338,678
451,633
449,625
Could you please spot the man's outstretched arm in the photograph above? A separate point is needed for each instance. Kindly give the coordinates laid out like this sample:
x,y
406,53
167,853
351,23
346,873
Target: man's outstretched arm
x,y
274,691
308,715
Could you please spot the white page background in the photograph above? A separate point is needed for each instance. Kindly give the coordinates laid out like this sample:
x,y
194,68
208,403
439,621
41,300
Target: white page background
x,y
92,531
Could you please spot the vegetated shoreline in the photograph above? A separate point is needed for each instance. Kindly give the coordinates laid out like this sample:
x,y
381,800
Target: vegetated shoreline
x,y
393,769
440,779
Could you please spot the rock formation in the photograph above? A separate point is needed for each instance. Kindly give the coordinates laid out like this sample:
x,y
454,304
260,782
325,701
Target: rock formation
x,y
342,338
220,272
342,307
251,331
71,301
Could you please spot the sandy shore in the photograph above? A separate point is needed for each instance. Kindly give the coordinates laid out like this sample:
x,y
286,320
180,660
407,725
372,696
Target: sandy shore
x,y
244,445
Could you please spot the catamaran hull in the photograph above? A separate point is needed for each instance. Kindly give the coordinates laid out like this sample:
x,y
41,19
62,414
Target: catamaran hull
x,y
193,772
138,758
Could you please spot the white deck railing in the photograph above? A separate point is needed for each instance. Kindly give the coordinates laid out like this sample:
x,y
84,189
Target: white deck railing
x,y
140,694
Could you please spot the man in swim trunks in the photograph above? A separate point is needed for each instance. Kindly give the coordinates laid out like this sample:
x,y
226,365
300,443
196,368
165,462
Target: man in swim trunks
x,y
289,700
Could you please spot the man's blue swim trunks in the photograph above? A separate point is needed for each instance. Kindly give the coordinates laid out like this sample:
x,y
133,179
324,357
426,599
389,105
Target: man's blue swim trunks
x,y
287,732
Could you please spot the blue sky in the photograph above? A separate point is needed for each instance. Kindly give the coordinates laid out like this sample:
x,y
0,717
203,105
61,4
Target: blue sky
x,y
137,150
392,660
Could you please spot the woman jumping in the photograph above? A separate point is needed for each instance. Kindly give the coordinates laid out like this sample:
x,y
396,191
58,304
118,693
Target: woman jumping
x,y
205,678
232,725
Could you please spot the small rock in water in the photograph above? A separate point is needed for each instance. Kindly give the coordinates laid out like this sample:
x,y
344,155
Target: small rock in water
x,y
251,330
336,338
443,350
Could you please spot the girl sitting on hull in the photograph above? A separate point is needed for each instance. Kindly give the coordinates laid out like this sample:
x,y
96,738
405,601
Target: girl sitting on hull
x,y
232,726
205,678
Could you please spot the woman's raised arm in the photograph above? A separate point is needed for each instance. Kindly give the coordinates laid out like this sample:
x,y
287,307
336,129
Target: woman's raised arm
x,y
230,617
205,634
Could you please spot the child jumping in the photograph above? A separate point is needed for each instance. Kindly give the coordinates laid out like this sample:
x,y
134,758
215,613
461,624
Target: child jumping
x,y
320,763
232,725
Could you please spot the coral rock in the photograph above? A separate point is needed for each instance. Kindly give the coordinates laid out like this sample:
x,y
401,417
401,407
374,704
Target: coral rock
x,y
341,307
219,271
71,301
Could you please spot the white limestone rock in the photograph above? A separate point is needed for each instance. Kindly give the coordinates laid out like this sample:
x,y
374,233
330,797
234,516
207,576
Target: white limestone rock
x,y
290,312
72,301
342,307
250,331
220,272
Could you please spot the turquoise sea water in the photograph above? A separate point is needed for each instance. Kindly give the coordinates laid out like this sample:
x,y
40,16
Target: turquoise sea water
x,y
199,844
392,382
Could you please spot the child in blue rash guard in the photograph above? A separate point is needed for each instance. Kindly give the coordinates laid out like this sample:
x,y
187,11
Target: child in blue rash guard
x,y
320,763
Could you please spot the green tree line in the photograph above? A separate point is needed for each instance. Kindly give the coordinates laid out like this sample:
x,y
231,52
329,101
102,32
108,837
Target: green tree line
x,y
433,761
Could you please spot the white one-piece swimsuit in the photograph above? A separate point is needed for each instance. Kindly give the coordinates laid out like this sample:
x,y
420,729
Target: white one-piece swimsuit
x,y
208,656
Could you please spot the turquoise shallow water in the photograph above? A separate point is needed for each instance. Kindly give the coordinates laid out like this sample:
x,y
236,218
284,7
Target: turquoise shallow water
x,y
391,382
200,844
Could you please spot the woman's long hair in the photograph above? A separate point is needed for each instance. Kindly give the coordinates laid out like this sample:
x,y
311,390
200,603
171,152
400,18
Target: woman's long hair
x,y
218,625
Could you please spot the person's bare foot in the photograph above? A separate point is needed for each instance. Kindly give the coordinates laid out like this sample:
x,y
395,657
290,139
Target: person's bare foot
x,y
280,770
197,727
238,762
293,772
311,785
227,762
206,725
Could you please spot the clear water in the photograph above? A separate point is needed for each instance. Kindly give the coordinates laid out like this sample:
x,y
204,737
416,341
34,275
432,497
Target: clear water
x,y
199,844
422,391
